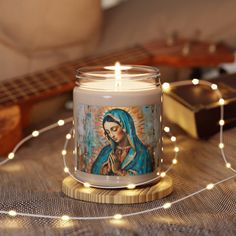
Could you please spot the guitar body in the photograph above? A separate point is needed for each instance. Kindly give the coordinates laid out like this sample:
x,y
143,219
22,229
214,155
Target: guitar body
x,y
10,128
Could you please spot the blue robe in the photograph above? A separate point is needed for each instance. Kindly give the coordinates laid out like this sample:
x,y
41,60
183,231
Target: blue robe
x,y
138,160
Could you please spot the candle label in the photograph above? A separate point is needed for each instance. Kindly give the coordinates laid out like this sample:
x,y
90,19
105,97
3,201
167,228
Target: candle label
x,y
118,140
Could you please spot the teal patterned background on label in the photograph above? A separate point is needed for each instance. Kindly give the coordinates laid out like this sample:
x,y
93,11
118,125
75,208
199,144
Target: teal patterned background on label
x,y
118,141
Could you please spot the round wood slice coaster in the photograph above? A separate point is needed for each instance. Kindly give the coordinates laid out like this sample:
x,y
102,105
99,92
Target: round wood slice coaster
x,y
76,190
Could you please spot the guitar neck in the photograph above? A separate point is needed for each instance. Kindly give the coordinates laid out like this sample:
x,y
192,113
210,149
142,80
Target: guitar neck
x,y
53,81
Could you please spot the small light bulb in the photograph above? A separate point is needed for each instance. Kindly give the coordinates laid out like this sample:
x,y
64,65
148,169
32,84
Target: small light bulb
x,y
221,122
61,122
66,169
12,213
167,129
158,173
166,87
117,216
195,81
228,165
87,185
174,161
176,149
162,160
68,136
65,217
167,205
63,152
221,101
131,186
163,174
11,155
35,133
221,145
210,186
214,87
173,138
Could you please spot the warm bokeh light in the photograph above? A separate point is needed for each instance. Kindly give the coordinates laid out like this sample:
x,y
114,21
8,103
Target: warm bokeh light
x,y
221,122
167,205
167,129
221,101
65,217
63,152
176,149
173,138
12,213
87,185
163,174
174,161
214,86
117,216
61,122
35,133
11,155
228,165
221,145
210,186
131,186
166,87
195,81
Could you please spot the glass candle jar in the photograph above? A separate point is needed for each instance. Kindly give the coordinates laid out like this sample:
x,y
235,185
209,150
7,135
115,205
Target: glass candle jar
x,y
118,124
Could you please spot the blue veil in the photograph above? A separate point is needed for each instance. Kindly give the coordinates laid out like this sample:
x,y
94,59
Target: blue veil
x,y
138,159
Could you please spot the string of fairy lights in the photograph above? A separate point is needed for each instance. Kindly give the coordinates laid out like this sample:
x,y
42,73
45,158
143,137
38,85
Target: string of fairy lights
x,y
166,87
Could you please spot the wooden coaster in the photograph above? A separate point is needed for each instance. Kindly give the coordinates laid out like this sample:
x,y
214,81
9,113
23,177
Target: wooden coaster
x,y
76,190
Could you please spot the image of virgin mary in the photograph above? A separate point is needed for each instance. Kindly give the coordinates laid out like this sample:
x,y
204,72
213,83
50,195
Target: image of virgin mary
x,y
125,154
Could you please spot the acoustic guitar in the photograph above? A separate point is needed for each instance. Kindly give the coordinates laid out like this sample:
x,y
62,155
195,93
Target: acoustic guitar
x,y
18,95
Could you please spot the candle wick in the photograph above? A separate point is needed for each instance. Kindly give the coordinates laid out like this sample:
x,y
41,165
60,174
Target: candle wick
x,y
117,75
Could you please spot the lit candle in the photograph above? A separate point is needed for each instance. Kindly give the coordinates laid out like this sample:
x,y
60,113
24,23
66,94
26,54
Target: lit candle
x,y
117,114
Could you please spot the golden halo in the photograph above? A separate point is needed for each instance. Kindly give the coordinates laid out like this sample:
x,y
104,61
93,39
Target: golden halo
x,y
134,111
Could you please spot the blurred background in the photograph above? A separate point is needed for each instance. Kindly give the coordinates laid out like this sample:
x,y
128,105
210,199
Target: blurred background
x,y
35,35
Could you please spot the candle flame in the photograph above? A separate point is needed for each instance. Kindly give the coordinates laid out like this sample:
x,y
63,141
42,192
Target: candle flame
x,y
122,67
117,75
117,71
117,68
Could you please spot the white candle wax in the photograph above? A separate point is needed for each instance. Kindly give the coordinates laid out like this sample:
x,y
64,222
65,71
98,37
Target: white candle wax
x,y
122,93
